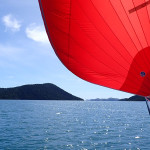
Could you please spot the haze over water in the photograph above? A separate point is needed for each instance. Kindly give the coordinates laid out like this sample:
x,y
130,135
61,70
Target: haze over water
x,y
62,125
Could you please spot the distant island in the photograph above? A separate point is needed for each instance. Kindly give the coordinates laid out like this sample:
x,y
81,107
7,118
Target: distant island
x,y
132,98
103,99
45,91
49,91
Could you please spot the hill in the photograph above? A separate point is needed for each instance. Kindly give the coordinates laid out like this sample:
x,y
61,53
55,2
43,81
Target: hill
x,y
134,98
45,91
108,99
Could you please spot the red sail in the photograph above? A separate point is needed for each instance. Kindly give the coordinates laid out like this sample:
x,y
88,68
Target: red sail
x,y
105,42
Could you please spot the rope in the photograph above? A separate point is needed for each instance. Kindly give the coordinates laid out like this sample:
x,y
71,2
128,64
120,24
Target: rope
x,y
147,99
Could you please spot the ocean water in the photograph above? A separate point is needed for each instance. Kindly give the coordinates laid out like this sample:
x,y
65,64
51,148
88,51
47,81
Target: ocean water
x,y
64,125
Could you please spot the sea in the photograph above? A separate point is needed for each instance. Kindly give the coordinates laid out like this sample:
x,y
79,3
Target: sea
x,y
75,125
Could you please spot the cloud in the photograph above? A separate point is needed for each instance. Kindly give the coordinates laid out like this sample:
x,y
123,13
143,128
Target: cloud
x,y
12,23
37,33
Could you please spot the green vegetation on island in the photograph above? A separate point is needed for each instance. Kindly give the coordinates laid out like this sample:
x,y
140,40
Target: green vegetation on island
x,y
132,98
45,91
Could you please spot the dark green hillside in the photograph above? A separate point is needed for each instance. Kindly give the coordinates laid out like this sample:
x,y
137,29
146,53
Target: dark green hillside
x,y
134,98
46,91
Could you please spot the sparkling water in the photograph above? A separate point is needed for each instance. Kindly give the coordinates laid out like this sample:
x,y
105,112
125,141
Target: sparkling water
x,y
77,125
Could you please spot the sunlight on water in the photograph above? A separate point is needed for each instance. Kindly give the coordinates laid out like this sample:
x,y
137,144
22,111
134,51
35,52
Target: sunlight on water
x,y
137,137
53,125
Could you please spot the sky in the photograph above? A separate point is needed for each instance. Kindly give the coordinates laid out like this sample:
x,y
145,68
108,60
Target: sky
x,y
26,56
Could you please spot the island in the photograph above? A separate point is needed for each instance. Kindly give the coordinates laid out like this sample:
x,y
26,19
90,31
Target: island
x,y
47,91
132,98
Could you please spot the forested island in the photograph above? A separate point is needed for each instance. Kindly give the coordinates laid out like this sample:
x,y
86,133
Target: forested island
x,y
45,91
49,91
132,98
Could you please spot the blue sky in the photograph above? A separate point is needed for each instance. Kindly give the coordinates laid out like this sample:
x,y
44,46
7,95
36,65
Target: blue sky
x,y
26,56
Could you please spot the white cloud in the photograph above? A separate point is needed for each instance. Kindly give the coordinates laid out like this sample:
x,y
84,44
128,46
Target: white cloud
x,y
12,23
37,33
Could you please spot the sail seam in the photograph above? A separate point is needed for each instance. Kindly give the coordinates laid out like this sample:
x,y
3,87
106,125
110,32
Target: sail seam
x,y
69,33
143,33
131,83
113,33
